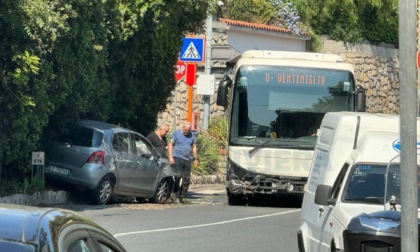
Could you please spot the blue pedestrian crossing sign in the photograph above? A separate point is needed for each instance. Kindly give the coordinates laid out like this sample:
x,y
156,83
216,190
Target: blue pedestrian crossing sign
x,y
192,50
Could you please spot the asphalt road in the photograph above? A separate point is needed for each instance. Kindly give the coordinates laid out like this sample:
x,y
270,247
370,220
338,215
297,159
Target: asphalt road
x,y
208,223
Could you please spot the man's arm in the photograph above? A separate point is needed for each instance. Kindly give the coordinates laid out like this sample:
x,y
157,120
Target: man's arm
x,y
194,149
170,147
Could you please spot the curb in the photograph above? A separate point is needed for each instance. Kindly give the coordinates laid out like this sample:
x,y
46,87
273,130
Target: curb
x,y
44,198
50,198
209,179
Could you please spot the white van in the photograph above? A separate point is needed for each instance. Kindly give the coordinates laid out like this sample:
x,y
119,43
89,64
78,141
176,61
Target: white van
x,y
347,175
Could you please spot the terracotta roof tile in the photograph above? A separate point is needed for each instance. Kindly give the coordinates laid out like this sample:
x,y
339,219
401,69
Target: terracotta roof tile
x,y
255,25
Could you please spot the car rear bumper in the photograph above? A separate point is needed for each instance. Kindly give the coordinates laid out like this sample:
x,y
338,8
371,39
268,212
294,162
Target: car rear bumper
x,y
87,176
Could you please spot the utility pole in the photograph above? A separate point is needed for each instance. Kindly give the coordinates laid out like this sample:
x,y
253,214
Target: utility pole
x,y
206,98
408,124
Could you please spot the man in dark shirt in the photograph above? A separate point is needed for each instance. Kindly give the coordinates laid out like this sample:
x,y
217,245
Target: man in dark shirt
x,y
158,138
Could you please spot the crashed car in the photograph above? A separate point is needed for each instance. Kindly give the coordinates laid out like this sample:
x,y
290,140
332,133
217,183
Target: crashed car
x,y
106,161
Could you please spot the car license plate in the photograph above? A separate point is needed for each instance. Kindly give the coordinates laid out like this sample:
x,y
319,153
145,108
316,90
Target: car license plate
x,y
55,169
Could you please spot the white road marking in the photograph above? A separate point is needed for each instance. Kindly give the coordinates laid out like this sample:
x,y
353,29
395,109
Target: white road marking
x,y
204,225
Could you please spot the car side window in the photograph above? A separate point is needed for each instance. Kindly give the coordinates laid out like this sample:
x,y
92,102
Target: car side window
x,y
141,146
122,142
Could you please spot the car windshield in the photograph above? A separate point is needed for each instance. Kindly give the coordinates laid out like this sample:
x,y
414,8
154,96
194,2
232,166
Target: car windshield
x,y
393,187
376,184
366,184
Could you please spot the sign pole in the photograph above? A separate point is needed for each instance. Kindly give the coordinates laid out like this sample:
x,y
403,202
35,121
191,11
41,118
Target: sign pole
x,y
192,51
190,80
189,103
206,98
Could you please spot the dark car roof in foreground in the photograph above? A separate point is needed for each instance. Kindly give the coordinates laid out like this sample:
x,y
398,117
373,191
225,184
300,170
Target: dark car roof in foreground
x,y
21,223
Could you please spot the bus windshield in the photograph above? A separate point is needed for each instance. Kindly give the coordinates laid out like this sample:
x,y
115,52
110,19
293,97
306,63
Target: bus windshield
x,y
286,103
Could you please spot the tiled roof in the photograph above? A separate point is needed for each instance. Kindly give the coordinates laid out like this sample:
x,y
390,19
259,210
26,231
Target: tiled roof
x,y
256,26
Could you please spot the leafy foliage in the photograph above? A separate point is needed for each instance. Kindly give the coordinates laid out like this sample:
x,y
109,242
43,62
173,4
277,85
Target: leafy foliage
x,y
345,20
209,143
351,21
273,12
208,153
218,130
65,60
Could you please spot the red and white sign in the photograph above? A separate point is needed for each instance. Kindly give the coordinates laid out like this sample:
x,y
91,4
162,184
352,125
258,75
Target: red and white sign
x,y
180,69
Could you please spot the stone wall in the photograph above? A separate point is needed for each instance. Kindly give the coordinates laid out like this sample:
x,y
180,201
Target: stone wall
x,y
376,69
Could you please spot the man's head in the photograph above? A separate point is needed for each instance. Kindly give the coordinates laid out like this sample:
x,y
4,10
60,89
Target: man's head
x,y
186,128
163,129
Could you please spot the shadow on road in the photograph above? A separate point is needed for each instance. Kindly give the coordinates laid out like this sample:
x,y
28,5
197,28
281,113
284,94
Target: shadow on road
x,y
275,201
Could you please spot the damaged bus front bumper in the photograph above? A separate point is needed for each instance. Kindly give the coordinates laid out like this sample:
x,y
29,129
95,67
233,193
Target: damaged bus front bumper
x,y
261,184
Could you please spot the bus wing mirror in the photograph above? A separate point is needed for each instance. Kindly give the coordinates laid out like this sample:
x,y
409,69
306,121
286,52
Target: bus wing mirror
x,y
360,99
222,91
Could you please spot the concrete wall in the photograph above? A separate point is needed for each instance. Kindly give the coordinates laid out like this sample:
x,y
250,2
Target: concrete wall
x,y
243,39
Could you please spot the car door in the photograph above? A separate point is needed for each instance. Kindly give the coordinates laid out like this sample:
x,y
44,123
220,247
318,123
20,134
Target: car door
x,y
326,224
124,152
148,172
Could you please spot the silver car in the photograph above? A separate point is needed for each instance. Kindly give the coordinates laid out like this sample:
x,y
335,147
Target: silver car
x,y
108,160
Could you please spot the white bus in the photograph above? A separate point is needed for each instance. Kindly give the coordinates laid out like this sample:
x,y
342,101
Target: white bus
x,y
276,104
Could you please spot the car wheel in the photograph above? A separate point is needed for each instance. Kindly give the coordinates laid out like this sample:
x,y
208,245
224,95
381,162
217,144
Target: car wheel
x,y
163,192
236,199
102,194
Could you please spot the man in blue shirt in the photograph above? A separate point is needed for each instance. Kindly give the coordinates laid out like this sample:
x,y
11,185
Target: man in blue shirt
x,y
182,149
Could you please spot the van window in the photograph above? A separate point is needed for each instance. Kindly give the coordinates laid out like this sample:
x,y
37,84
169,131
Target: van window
x,y
366,184
339,182
82,136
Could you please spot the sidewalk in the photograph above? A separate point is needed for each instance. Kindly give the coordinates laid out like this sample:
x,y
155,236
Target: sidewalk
x,y
208,189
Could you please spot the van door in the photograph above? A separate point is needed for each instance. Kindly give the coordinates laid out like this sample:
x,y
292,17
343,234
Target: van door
x,y
125,160
325,224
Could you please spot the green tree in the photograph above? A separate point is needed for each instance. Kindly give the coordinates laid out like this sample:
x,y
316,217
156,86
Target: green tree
x,y
350,20
142,66
64,60
29,30
343,20
257,11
